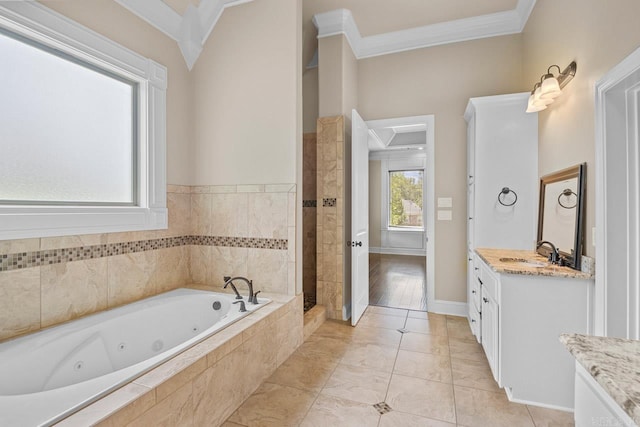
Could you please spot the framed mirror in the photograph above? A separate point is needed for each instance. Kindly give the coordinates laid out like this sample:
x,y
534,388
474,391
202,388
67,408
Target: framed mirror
x,y
561,214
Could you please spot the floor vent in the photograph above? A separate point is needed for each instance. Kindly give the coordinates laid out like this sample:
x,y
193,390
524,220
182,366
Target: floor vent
x,y
382,408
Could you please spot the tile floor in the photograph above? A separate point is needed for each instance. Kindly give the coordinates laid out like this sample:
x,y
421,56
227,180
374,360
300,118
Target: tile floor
x,y
436,375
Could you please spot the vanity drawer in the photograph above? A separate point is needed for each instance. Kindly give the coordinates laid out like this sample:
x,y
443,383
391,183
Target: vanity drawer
x,y
489,281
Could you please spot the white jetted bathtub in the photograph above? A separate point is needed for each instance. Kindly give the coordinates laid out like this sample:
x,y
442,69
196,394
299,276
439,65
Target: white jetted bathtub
x,y
47,375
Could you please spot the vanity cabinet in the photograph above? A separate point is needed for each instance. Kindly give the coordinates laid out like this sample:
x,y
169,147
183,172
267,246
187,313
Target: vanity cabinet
x,y
523,314
502,152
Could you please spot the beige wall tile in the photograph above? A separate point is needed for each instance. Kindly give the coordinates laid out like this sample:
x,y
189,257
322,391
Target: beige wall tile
x,y
267,215
251,188
201,214
292,205
268,270
19,302
289,335
73,289
279,188
228,262
200,189
183,189
21,245
172,268
175,410
291,278
229,215
47,243
217,189
131,236
291,244
179,206
199,264
131,277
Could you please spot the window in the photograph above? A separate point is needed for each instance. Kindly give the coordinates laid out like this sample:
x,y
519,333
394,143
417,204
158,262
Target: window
x,y
67,133
82,129
405,198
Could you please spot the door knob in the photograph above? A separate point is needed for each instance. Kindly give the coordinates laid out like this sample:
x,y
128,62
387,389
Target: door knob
x,y
354,244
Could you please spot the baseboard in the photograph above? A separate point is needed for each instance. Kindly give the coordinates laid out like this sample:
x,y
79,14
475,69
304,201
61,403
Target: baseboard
x,y
452,308
397,251
346,311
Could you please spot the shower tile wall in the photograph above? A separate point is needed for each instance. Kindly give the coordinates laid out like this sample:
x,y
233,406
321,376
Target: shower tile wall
x,y
330,196
35,294
309,212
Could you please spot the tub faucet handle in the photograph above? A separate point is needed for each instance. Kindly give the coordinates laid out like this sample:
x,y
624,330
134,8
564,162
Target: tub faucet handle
x,y
243,308
255,298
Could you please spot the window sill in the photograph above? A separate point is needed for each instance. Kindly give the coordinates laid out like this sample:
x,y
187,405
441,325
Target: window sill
x,y
405,229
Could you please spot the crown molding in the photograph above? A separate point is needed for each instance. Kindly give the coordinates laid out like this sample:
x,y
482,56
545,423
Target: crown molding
x,y
341,21
190,30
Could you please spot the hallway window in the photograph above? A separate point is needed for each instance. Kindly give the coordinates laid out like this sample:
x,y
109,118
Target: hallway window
x,y
405,198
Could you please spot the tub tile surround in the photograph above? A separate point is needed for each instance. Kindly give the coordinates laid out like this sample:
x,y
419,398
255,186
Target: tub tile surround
x,y
249,231
206,383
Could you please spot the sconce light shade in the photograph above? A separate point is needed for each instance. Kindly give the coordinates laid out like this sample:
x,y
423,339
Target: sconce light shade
x,y
532,107
550,88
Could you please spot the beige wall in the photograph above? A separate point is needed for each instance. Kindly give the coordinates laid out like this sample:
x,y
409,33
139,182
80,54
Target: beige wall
x,y
310,100
375,197
597,35
118,24
440,81
245,97
337,77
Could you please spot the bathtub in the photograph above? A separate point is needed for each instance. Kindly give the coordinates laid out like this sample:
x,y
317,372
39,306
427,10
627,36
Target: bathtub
x,y
47,375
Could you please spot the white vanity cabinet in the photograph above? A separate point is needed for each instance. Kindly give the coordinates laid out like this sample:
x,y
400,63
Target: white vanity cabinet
x,y
502,151
522,317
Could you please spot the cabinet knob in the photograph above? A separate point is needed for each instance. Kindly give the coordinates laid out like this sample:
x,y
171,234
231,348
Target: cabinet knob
x,y
473,320
485,300
473,291
470,218
476,268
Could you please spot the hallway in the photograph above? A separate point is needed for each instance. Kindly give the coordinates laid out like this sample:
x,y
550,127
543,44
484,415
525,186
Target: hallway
x,y
434,375
398,281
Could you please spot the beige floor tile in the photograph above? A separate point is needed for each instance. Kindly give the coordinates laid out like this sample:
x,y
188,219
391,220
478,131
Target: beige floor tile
x,y
230,424
370,356
397,419
543,417
414,314
473,374
321,346
374,320
433,344
465,349
481,408
431,326
423,365
330,411
416,396
380,336
274,405
359,384
459,328
336,330
387,311
304,372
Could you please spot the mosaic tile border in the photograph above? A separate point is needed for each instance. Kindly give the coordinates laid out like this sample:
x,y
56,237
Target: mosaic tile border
x,y
20,260
329,203
309,203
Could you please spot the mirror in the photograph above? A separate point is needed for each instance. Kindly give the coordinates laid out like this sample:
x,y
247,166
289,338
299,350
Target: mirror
x,y
561,214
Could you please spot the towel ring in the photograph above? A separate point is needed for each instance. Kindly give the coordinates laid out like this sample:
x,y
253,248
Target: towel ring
x,y
567,192
503,193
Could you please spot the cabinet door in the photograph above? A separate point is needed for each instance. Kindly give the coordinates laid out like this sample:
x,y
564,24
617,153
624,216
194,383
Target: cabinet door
x,y
489,326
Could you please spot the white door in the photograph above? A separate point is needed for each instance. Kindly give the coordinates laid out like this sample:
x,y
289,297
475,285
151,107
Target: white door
x,y
359,217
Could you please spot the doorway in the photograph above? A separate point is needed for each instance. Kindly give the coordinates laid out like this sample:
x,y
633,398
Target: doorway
x,y
401,245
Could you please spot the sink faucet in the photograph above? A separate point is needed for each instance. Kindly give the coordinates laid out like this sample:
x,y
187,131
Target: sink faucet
x,y
554,256
229,281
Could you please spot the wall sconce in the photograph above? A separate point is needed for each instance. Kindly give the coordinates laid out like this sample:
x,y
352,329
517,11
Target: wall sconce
x,y
550,87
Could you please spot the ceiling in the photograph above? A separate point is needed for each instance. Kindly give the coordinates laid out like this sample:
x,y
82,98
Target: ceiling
x,y
392,22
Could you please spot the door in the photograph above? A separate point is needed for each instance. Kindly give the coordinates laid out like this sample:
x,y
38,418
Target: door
x,y
359,217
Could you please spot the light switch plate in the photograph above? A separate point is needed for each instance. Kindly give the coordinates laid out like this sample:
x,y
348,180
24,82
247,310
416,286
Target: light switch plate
x,y
445,215
445,202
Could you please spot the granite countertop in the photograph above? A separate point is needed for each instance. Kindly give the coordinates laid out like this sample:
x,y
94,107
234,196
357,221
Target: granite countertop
x,y
614,363
495,259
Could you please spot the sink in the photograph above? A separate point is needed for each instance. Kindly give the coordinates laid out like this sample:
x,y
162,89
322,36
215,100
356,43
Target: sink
x,y
522,262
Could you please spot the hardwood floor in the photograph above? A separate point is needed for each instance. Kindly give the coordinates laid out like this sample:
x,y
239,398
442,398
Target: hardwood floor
x,y
398,281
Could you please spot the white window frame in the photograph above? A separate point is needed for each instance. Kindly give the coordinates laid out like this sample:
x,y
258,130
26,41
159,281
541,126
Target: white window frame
x,y
37,22
399,163
388,207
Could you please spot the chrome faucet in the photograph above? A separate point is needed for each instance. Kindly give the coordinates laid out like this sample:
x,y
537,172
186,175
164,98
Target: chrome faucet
x,y
228,280
554,256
